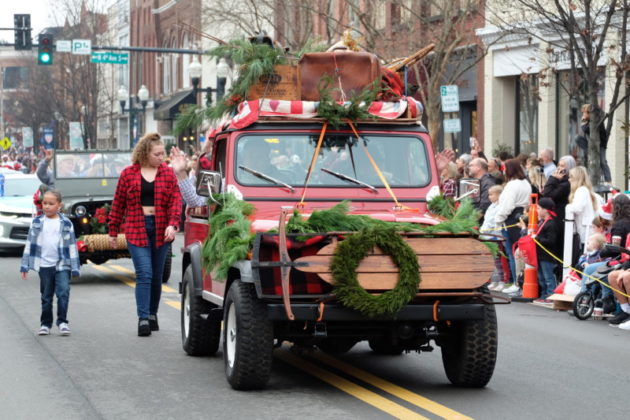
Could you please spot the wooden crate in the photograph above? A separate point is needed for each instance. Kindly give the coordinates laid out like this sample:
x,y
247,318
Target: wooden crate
x,y
283,84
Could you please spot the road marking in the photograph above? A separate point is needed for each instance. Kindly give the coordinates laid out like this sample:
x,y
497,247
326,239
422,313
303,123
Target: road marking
x,y
117,276
174,303
393,389
357,391
128,280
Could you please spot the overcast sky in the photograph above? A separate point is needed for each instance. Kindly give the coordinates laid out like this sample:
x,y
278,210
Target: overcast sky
x,y
38,9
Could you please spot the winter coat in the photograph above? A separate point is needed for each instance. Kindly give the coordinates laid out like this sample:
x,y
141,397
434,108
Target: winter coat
x,y
549,237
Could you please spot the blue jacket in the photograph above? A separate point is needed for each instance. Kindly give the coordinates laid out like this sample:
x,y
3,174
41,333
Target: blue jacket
x,y
68,254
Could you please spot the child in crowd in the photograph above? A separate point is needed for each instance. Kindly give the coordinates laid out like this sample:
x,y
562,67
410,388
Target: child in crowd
x,y
51,250
548,235
594,246
490,230
449,180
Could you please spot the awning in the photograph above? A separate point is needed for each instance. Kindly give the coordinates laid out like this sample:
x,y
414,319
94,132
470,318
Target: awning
x,y
171,106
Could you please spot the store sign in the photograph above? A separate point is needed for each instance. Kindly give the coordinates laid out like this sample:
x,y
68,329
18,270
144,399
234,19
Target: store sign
x,y
450,98
452,125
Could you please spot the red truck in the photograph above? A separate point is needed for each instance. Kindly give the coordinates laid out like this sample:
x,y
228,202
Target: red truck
x,y
267,164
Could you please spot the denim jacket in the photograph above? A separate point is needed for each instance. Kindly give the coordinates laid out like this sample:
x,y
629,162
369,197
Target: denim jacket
x,y
68,253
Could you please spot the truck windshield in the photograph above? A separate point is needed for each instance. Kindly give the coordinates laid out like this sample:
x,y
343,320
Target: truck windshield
x,y
90,164
402,160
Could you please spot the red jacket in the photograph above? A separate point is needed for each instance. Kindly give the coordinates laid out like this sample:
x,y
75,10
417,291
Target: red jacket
x,y
168,205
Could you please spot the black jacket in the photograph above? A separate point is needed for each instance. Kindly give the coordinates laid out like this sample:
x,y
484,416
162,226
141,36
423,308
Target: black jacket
x,y
603,137
485,182
549,236
619,228
558,190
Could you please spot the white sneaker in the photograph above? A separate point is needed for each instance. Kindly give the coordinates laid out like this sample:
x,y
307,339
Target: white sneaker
x,y
512,289
500,287
43,330
64,329
493,285
625,325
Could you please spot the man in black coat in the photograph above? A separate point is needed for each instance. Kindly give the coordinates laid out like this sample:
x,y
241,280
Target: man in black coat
x,y
478,168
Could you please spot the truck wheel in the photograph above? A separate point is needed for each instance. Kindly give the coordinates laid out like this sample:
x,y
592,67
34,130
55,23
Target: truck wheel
x,y
200,337
384,346
247,338
336,345
469,350
168,263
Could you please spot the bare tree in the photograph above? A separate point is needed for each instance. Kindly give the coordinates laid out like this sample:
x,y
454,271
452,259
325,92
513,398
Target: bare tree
x,y
588,33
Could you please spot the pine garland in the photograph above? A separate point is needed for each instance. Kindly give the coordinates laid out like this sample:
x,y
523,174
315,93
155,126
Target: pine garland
x,y
190,117
230,239
335,113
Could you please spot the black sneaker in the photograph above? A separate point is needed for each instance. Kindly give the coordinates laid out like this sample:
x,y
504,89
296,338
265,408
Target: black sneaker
x,y
144,329
619,318
153,322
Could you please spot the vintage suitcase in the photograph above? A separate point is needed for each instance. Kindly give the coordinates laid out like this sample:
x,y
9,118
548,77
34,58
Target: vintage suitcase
x,y
356,70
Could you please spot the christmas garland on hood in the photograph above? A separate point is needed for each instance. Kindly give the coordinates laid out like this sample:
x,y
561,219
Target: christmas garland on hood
x,y
230,240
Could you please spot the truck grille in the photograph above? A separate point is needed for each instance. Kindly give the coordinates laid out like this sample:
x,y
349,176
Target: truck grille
x,y
19,233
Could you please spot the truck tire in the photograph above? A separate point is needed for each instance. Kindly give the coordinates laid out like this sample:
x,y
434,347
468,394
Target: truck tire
x,y
247,338
385,347
200,337
168,263
336,345
469,350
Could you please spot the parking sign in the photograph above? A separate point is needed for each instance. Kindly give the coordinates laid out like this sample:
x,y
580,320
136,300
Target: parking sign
x,y
450,98
81,46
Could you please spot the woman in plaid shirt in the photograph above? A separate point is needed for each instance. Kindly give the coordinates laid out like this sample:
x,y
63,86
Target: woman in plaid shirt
x,y
148,197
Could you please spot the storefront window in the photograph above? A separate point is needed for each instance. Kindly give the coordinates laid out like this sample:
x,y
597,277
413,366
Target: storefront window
x,y
569,102
527,114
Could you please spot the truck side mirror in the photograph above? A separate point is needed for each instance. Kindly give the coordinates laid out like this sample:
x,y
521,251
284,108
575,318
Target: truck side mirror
x,y
470,187
208,182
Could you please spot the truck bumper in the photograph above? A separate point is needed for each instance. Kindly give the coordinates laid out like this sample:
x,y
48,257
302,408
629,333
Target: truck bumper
x,y
336,312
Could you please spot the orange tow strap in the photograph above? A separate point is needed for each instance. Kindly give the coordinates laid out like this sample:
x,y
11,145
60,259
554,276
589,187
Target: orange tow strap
x,y
435,311
379,172
312,165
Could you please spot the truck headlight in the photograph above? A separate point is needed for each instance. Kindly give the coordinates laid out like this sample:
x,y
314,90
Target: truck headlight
x,y
80,211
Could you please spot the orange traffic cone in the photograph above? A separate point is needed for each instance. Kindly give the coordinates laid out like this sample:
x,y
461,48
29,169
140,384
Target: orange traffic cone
x,y
530,275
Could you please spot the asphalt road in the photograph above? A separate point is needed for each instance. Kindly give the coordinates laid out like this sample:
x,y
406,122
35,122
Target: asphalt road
x,y
550,366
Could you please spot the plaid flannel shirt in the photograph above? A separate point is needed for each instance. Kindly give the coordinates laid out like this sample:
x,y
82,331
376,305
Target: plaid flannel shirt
x,y
67,248
168,205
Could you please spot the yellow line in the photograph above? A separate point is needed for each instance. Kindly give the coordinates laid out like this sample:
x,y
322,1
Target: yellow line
x,y
395,390
117,276
365,395
117,267
173,303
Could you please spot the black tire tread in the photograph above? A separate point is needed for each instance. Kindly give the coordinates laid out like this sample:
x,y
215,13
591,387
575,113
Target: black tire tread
x,y
204,335
254,347
470,354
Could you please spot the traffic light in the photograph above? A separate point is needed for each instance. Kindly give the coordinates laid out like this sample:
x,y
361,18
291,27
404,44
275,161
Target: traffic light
x,y
22,30
45,50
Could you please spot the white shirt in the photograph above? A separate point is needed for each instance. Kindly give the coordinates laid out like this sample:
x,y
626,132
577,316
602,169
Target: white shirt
x,y
50,241
582,208
515,194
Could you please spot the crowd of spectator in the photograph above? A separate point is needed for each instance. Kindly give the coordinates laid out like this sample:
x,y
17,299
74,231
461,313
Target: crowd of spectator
x,y
506,185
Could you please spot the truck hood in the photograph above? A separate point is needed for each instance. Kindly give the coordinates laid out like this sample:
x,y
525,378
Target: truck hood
x,y
265,220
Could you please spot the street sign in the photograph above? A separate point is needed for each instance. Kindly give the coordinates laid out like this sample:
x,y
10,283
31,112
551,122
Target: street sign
x,y
110,57
27,137
76,135
452,126
5,143
63,45
450,98
81,46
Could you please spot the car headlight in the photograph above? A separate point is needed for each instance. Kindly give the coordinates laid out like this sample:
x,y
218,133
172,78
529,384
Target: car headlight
x,y
80,211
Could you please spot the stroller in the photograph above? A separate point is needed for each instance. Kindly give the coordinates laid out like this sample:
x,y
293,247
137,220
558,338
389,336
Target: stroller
x,y
585,302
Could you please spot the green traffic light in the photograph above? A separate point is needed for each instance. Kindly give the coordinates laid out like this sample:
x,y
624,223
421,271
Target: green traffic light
x,y
44,58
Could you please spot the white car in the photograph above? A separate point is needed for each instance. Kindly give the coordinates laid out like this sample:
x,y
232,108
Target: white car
x,y
17,209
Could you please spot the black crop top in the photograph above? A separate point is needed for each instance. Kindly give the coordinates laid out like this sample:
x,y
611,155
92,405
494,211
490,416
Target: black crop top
x,y
147,193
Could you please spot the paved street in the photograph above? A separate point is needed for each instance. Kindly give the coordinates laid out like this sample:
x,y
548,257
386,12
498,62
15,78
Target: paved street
x,y
550,366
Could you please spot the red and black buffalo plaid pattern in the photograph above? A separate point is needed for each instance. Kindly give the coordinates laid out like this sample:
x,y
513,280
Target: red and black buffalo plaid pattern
x,y
126,204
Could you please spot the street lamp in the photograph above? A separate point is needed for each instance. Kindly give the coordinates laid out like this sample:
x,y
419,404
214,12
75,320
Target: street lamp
x,y
194,70
223,72
142,97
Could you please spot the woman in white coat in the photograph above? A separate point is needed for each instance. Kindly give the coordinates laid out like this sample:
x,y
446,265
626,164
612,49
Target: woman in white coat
x,y
583,202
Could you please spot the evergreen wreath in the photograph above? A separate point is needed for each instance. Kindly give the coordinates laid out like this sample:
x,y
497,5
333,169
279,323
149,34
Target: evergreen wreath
x,y
349,254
